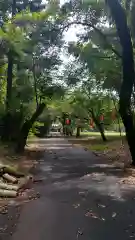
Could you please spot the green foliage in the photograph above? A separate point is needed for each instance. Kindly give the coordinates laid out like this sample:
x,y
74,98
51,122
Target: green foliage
x,y
31,34
34,38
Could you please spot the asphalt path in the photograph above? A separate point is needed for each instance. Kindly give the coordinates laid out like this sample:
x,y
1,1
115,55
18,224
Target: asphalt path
x,y
81,197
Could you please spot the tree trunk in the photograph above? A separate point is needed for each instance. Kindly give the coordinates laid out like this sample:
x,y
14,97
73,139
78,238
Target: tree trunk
x,y
7,123
7,118
118,13
99,126
9,81
10,68
63,121
12,123
6,126
26,128
35,82
66,130
78,131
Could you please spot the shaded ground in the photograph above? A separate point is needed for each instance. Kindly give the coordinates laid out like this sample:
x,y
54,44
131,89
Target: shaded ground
x,y
19,164
82,197
114,150
22,162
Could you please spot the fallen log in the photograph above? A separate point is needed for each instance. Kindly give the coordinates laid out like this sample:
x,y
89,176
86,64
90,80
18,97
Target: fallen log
x,y
8,193
8,186
12,171
9,178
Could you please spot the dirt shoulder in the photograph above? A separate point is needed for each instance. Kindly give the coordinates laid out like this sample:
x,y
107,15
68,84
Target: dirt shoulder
x,y
24,162
20,190
115,151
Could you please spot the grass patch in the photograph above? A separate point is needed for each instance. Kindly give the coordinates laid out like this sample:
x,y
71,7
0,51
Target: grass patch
x,y
95,139
107,133
98,147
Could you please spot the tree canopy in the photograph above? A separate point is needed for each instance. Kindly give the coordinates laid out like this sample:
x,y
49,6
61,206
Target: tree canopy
x,y
44,74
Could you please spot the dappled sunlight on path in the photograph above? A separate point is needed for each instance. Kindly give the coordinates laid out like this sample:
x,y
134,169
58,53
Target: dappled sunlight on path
x,y
82,197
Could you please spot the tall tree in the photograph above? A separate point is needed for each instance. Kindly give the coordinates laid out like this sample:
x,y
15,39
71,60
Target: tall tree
x,y
119,16
38,37
10,68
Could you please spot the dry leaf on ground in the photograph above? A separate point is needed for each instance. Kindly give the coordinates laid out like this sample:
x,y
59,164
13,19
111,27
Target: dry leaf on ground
x,y
114,214
101,205
76,205
94,215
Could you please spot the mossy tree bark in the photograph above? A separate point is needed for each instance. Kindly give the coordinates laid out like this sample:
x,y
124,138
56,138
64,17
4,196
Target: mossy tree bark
x,y
23,135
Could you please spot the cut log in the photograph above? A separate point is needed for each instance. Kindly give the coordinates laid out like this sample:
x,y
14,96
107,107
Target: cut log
x,y
10,178
8,193
12,171
8,186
